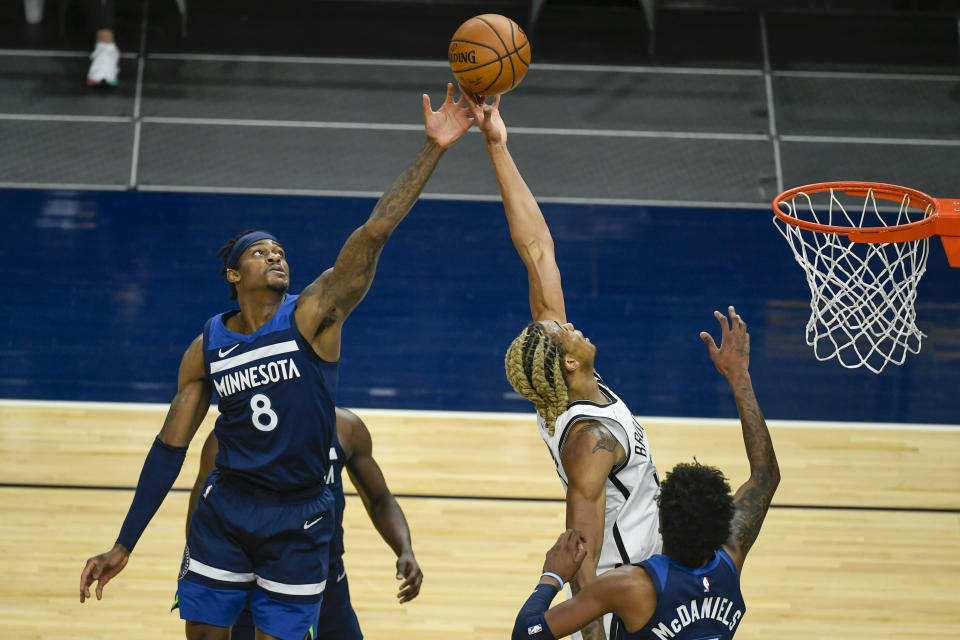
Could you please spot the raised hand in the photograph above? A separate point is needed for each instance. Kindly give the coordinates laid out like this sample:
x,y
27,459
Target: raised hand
x,y
102,568
409,571
566,555
445,125
487,117
733,355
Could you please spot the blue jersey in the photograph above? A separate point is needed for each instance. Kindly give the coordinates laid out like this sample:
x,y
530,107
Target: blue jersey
x,y
277,418
692,604
335,482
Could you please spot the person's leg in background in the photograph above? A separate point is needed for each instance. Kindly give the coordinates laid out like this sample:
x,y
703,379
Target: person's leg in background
x,y
105,59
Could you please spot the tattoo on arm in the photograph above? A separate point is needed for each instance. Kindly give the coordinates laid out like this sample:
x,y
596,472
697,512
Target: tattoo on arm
x,y
403,193
357,261
594,629
605,439
754,497
751,509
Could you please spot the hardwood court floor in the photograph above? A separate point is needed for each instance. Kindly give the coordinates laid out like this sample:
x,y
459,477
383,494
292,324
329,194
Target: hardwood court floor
x,y
863,539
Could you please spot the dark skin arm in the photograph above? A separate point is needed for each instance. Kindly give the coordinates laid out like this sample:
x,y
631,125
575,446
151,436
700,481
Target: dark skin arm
x,y
752,499
384,511
208,458
626,591
588,456
187,411
327,301
382,507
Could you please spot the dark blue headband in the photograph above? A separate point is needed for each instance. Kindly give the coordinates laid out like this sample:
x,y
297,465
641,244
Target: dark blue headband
x,y
243,242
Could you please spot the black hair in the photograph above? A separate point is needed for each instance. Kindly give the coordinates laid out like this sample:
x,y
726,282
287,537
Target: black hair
x,y
696,511
224,252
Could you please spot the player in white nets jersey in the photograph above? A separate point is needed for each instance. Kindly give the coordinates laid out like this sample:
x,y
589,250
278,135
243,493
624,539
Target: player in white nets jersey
x,y
601,453
630,525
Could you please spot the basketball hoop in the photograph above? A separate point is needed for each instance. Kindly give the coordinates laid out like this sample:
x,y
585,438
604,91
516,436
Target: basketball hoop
x,y
863,261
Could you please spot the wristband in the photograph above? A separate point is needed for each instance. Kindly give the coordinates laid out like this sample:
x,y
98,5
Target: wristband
x,y
551,574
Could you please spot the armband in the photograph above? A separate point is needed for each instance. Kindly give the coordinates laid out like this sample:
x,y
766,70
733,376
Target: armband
x,y
530,622
160,470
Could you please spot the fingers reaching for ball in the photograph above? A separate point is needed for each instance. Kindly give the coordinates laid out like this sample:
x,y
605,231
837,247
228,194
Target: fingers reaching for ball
x,y
473,99
450,121
487,117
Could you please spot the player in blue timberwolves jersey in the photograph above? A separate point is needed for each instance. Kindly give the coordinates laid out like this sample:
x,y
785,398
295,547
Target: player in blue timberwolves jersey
x,y
352,450
692,590
264,529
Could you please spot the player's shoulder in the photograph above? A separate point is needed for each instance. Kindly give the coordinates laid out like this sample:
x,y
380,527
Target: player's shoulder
x,y
639,579
585,425
731,555
629,585
351,432
348,419
192,367
193,355
587,432
315,288
631,575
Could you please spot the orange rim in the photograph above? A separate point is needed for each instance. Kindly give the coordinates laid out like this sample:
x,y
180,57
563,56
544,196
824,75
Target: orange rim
x,y
891,192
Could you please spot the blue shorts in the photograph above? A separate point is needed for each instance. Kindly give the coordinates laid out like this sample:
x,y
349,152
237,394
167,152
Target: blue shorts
x,y
338,621
337,617
259,548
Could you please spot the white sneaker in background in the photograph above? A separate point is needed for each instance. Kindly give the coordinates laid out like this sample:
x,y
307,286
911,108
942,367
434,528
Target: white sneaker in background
x,y
104,65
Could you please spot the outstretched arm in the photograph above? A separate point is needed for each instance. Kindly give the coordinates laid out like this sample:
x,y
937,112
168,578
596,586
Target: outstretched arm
x,y
384,511
752,499
160,469
326,303
528,229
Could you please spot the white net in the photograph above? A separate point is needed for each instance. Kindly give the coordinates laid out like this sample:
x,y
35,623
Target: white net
x,y
862,308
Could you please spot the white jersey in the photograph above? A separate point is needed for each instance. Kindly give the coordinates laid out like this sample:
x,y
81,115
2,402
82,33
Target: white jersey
x,y
631,523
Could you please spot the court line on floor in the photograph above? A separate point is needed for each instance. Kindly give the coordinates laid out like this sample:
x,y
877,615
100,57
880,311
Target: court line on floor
x,y
468,197
486,416
63,186
418,128
771,111
138,98
552,131
923,142
55,53
390,62
339,193
49,117
866,75
429,496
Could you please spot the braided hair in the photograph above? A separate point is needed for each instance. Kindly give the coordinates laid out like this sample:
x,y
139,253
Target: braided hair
x,y
696,510
534,366
224,252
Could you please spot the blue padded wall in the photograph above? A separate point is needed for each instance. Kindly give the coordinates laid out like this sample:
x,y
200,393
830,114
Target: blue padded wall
x,y
103,291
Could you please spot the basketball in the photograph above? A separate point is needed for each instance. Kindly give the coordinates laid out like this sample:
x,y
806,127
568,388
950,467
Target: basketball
x,y
489,54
